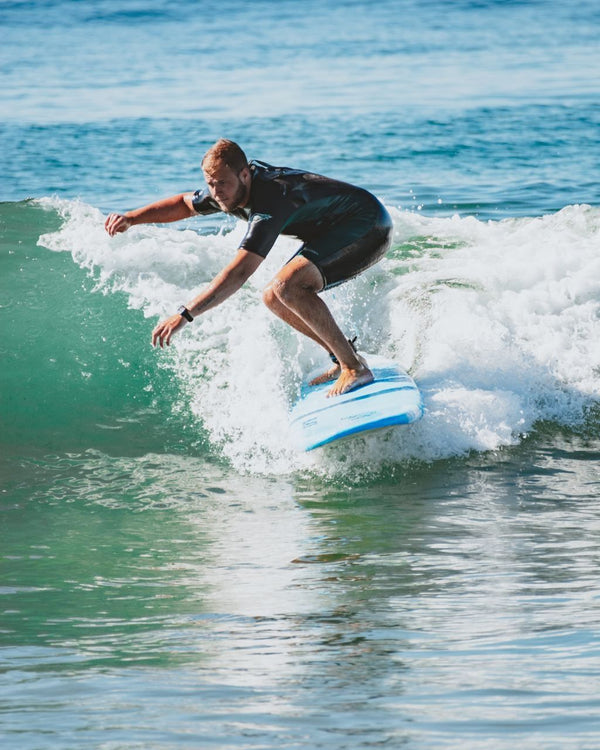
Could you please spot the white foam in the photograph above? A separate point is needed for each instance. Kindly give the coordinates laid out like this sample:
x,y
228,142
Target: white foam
x,y
497,321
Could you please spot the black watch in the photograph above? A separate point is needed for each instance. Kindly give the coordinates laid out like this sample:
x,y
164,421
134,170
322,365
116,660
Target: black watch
x,y
185,313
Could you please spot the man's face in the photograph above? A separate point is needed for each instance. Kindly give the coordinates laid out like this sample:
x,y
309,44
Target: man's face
x,y
229,189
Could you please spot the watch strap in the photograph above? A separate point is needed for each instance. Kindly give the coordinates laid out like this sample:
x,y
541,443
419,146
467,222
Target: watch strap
x,y
185,313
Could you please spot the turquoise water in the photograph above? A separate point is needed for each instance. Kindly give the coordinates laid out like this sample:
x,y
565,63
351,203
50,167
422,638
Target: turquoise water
x,y
172,573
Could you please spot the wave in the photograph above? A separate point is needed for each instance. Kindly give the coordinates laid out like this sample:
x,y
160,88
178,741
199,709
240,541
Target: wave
x,y
497,321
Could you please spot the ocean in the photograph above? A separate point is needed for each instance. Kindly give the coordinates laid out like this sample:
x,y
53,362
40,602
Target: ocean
x,y
173,574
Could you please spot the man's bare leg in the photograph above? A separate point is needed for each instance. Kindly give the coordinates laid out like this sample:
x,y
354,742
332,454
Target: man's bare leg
x,y
283,312
293,297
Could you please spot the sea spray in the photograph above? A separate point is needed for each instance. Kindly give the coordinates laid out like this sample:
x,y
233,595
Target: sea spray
x,y
497,322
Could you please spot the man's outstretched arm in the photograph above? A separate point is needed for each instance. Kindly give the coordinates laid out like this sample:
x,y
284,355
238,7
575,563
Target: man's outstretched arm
x,y
225,283
175,208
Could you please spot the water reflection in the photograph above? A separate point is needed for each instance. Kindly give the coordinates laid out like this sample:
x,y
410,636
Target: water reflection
x,y
424,605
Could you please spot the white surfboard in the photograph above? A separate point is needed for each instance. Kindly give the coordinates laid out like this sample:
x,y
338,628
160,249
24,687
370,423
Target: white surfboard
x,y
391,399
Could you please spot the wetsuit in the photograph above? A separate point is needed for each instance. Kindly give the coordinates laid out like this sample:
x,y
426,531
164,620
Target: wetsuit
x,y
344,229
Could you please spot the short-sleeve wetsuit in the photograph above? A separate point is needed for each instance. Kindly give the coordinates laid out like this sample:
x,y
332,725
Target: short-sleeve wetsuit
x,y
344,229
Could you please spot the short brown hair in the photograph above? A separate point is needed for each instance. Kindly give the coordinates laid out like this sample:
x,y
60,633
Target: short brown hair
x,y
225,152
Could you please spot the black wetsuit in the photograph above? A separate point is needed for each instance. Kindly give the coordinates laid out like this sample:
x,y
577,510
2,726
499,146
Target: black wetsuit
x,y
344,229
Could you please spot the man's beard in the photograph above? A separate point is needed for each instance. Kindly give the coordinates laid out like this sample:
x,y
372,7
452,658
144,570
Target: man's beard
x,y
237,199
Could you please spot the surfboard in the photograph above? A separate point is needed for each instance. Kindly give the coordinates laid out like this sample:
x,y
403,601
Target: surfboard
x,y
391,399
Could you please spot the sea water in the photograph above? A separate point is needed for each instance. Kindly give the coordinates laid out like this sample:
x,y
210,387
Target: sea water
x,y
172,572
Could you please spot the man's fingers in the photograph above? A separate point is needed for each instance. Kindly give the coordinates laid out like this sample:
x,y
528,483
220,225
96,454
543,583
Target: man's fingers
x,y
161,338
157,335
116,223
109,224
165,330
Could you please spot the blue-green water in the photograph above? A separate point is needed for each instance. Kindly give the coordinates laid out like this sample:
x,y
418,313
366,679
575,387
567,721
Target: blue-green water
x,y
172,573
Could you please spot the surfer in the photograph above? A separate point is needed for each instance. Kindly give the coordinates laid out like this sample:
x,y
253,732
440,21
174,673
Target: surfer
x,y
344,230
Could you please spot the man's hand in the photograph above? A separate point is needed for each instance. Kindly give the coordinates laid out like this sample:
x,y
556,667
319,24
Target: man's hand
x,y
116,223
163,331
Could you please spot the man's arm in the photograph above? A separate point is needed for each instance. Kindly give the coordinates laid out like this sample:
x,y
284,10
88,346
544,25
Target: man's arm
x,y
225,283
166,210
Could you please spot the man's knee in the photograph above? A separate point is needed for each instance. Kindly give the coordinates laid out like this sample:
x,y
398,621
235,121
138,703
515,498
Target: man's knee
x,y
272,295
290,283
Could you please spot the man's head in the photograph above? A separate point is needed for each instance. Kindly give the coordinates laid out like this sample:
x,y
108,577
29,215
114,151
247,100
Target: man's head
x,y
227,175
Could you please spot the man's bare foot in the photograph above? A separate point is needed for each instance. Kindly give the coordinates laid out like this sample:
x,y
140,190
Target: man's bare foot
x,y
349,380
332,374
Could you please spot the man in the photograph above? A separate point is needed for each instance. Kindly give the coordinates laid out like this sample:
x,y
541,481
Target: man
x,y
344,230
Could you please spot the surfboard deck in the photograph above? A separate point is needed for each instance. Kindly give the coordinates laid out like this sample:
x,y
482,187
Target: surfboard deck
x,y
391,399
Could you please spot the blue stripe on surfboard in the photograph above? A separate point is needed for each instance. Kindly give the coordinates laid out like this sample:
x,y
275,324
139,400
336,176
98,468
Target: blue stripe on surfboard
x,y
356,398
378,425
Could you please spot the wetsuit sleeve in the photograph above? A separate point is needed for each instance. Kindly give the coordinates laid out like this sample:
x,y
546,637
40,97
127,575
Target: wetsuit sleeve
x,y
203,203
263,230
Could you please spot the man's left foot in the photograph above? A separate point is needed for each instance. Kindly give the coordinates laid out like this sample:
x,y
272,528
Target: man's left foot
x,y
349,380
332,374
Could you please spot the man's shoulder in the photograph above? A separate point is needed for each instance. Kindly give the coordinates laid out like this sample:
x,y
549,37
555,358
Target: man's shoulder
x,y
203,202
269,173
302,179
